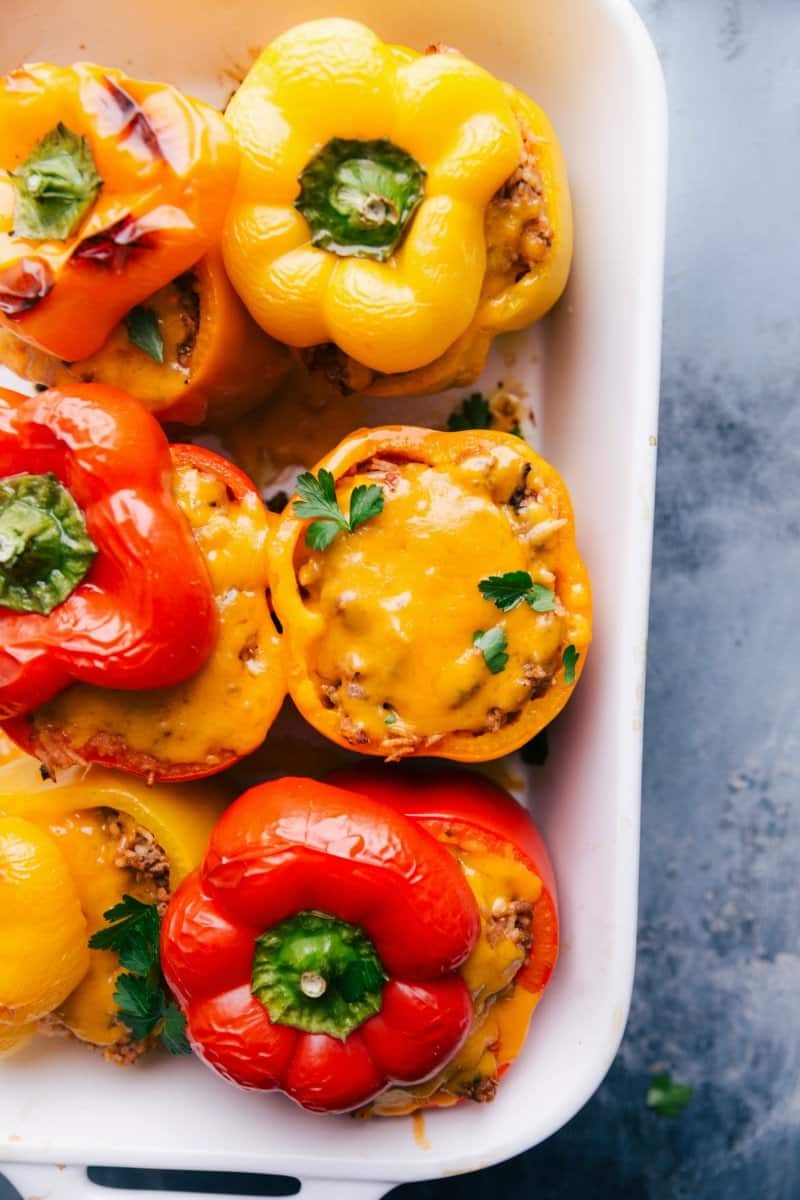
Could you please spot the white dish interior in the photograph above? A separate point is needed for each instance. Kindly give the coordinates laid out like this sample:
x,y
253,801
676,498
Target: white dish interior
x,y
590,374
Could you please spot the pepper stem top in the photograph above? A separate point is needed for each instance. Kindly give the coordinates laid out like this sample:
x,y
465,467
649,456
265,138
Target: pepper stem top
x,y
317,973
45,549
359,197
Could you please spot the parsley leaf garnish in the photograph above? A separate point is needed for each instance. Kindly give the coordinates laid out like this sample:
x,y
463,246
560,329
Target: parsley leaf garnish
x,y
492,646
474,413
173,1034
132,932
570,660
319,503
535,752
140,1003
143,330
390,718
509,590
143,1008
666,1098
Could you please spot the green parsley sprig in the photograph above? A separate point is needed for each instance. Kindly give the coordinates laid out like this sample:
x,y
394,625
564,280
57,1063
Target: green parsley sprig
x,y
570,660
318,502
509,590
473,413
668,1099
144,331
143,1008
492,646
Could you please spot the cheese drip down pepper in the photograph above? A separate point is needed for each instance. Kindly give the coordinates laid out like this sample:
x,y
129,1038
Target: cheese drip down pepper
x,y
69,851
393,646
111,188
100,578
381,942
224,710
419,210
207,363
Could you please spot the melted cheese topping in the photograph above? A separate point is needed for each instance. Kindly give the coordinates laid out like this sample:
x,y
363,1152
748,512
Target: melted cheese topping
x,y
400,604
501,1011
227,707
90,842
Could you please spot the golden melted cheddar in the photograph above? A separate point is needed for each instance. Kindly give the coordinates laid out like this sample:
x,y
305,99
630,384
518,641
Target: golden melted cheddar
x,y
501,1011
399,603
223,710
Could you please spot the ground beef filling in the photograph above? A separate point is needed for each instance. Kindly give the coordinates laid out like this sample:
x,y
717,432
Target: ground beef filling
x,y
518,238
139,854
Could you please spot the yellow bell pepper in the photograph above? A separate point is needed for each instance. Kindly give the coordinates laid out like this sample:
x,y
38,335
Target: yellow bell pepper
x,y
62,868
394,211
209,362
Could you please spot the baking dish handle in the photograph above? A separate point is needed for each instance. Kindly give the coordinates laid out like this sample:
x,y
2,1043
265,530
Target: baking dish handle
x,y
36,1182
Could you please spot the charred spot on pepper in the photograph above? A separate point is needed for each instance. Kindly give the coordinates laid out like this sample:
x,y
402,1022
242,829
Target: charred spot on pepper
x,y
24,284
111,248
133,122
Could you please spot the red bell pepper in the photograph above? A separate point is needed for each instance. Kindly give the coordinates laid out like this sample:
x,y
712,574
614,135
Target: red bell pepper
x,y
100,578
315,951
455,805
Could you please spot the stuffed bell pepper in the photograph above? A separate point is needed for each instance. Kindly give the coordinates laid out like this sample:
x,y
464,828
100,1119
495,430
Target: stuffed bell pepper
x,y
431,593
111,187
355,947
86,867
394,211
135,628
191,353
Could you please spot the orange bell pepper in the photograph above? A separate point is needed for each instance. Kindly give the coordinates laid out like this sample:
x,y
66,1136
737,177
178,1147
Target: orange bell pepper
x,y
449,615
210,362
111,187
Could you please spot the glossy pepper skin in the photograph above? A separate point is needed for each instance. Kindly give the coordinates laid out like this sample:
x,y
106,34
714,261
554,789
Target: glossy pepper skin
x,y
58,875
292,846
467,811
448,114
217,363
182,732
524,279
143,616
167,164
469,550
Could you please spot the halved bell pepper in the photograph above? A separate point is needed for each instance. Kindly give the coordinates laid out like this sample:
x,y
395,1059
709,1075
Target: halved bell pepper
x,y
394,210
111,188
317,949
507,866
100,578
191,353
68,852
454,621
223,711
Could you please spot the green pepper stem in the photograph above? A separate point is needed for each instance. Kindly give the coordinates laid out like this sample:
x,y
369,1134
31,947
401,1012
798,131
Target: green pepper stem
x,y
317,973
45,549
359,197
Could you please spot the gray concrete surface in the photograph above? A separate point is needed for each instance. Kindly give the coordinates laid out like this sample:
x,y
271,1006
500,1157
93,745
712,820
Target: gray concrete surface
x,y
717,996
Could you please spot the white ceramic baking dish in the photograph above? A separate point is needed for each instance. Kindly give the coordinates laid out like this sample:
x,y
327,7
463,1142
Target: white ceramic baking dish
x,y
590,373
